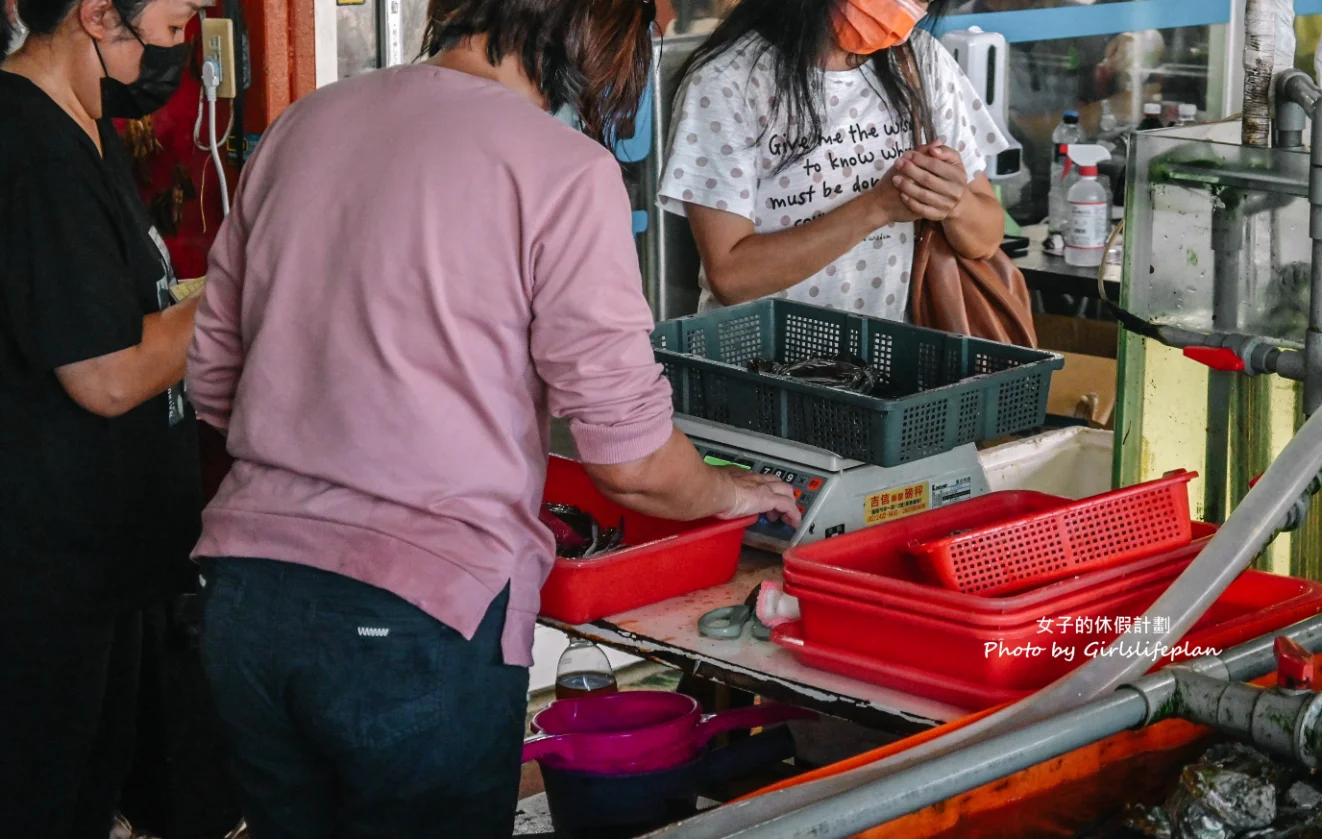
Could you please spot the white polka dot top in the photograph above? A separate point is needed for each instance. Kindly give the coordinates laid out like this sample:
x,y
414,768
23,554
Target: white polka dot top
x,y
723,153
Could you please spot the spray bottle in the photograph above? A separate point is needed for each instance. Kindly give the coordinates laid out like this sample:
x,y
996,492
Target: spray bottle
x,y
1089,210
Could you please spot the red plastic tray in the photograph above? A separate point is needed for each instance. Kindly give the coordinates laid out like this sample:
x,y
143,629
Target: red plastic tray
x,y
1004,557
901,637
877,559
664,559
936,686
1253,605
897,585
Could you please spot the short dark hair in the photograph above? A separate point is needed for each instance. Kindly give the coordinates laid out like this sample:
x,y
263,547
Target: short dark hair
x,y
595,54
43,17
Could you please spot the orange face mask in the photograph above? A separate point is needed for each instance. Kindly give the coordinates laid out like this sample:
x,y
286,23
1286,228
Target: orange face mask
x,y
863,27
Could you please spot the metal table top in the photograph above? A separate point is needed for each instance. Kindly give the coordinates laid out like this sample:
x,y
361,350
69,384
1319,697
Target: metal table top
x,y
667,632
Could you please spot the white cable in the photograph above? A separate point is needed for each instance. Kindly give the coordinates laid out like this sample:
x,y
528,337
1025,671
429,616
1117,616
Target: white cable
x,y
197,125
210,81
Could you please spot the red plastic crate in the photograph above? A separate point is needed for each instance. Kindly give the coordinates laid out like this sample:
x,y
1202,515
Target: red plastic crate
x,y
878,557
1100,532
913,640
664,559
1255,604
940,687
896,582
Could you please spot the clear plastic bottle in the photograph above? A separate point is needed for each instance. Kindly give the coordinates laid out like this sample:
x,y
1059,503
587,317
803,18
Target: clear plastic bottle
x,y
1090,212
1109,121
1067,133
584,670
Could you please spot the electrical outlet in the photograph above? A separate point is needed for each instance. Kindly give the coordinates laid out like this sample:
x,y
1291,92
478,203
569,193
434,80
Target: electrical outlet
x,y
218,46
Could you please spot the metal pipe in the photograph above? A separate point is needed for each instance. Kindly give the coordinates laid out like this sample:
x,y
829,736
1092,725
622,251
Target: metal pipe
x,y
875,803
1313,337
1248,180
1248,530
1289,125
1298,87
1279,722
1296,98
1227,247
1287,364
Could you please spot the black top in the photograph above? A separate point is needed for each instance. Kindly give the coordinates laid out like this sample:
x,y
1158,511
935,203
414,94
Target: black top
x,y
95,513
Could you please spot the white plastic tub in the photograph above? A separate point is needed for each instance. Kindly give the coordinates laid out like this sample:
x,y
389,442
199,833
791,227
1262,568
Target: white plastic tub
x,y
1071,462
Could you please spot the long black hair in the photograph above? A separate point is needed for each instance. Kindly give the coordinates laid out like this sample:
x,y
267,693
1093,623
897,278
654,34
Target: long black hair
x,y
797,35
7,30
43,17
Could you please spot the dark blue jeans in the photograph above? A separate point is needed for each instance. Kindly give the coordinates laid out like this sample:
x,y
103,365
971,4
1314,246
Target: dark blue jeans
x,y
352,714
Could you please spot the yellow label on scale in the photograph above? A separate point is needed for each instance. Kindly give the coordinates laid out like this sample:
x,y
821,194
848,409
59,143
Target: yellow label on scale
x,y
896,503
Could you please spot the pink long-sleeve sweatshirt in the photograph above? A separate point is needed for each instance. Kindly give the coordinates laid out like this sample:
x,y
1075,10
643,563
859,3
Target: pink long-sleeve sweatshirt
x,y
420,268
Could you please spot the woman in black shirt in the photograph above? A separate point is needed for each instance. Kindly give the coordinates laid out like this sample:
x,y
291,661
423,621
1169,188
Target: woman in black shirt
x,y
99,484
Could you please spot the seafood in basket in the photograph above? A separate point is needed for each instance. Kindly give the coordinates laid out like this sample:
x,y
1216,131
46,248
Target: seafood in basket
x,y
578,535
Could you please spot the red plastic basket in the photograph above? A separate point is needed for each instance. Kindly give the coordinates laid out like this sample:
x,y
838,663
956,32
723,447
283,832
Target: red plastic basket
x,y
892,641
893,579
1099,532
664,559
878,557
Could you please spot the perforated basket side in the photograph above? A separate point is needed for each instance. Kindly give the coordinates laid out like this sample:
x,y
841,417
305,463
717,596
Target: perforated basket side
x,y
924,428
730,399
948,390
807,332
664,337
994,559
848,430
1094,533
740,339
1124,526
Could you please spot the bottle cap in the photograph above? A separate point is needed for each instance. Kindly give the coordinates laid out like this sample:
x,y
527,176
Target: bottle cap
x,y
1071,117
1188,111
1152,109
1087,157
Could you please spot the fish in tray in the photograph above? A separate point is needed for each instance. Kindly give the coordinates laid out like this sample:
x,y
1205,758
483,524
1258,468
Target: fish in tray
x,y
1235,792
846,372
578,535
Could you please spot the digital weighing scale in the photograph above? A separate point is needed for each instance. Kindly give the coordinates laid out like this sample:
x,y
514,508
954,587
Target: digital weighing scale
x,y
837,495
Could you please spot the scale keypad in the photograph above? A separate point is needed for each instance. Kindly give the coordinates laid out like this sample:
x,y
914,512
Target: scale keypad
x,y
807,486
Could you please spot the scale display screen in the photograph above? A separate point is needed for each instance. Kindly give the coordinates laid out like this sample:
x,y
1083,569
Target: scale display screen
x,y
712,460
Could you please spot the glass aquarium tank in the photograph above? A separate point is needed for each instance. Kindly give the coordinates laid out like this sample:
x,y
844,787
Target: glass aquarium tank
x,y
1217,237
1216,240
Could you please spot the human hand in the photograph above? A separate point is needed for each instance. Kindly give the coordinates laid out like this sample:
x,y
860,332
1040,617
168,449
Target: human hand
x,y
888,206
932,182
753,494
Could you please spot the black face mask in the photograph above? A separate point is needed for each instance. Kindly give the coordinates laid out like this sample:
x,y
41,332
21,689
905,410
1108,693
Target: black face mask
x,y
161,72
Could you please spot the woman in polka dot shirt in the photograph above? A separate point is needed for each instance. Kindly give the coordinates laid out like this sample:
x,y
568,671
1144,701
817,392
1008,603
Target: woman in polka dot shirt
x,y
791,153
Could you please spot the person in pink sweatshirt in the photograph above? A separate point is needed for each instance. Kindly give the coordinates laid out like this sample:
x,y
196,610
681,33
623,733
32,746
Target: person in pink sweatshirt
x,y
421,268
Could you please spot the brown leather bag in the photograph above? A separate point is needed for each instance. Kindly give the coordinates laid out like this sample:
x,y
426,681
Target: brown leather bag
x,y
983,298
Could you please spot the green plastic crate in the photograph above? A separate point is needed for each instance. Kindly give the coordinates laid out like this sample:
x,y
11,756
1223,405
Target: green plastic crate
x,y
963,390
